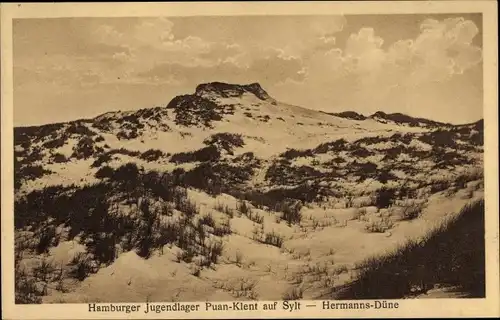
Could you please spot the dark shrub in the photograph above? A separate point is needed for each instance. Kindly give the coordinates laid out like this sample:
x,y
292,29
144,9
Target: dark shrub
x,y
290,211
47,238
103,247
371,140
80,129
273,239
152,155
207,220
440,138
84,149
32,172
209,153
335,146
477,139
440,186
81,266
127,172
105,172
106,157
385,197
385,175
223,229
127,135
226,141
194,110
213,251
349,115
59,158
364,170
361,152
56,143
284,173
393,153
294,153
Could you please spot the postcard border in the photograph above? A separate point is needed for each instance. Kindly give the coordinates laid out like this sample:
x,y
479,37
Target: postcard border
x,y
410,308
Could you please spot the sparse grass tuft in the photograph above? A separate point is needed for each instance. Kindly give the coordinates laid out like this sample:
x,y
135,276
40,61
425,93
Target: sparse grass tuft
x,y
412,211
379,226
207,220
223,229
294,293
224,209
244,208
82,266
273,239
360,214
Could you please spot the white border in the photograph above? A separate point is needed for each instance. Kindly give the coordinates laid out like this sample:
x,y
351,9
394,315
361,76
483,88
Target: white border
x,y
408,308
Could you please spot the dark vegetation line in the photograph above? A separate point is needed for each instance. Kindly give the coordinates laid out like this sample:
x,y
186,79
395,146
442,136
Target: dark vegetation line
x,y
452,254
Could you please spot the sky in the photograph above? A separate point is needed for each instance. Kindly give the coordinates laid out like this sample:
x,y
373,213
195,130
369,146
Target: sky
x,y
425,65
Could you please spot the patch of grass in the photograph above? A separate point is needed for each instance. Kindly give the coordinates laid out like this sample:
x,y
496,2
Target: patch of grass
x,y
43,271
247,211
186,206
452,254
290,211
213,251
82,266
243,207
26,289
224,208
223,229
379,226
360,214
207,220
439,186
294,293
273,239
412,211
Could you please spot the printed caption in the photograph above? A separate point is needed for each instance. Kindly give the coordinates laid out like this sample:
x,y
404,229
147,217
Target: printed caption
x,y
289,306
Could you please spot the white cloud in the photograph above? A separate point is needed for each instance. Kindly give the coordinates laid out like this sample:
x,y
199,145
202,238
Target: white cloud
x,y
365,74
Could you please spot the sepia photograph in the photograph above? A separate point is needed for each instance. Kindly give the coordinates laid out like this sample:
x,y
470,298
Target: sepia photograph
x,y
208,162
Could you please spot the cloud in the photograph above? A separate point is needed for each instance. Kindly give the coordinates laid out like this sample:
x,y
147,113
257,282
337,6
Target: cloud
x,y
444,48
366,75
267,70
